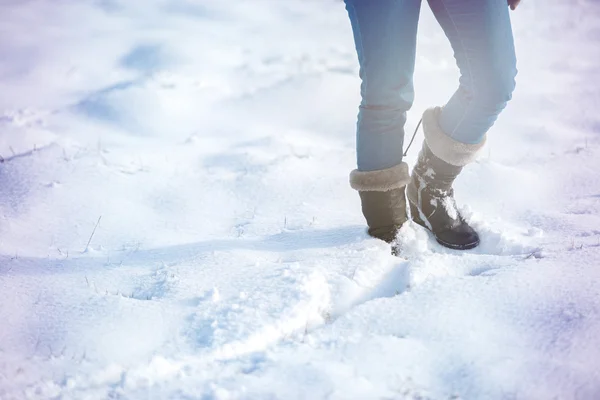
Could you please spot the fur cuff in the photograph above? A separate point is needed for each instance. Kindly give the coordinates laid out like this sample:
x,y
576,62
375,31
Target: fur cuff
x,y
382,180
443,146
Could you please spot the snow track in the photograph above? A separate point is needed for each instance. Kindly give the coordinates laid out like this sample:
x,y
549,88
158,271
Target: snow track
x,y
213,142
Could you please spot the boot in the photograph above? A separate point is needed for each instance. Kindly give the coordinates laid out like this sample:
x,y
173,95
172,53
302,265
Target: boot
x,y
383,201
430,193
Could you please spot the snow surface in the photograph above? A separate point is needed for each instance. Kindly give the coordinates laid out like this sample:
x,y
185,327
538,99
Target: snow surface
x,y
211,142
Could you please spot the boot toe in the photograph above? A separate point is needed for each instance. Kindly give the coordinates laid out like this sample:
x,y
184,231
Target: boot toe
x,y
386,233
461,239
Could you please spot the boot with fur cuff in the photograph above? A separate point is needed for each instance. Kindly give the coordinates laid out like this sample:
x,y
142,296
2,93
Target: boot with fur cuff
x,y
430,193
383,201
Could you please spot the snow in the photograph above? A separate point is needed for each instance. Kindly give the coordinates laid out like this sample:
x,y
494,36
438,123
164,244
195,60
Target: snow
x,y
213,141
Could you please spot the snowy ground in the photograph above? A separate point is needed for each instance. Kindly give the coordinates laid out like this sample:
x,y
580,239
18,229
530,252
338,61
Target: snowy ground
x,y
212,140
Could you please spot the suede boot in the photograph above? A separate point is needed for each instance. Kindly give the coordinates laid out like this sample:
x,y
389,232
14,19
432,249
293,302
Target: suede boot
x,y
383,201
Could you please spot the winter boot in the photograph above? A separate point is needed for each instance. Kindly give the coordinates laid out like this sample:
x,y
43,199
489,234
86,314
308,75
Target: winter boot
x,y
382,195
430,192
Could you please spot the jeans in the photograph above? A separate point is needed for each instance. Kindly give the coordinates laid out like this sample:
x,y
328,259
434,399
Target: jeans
x,y
385,37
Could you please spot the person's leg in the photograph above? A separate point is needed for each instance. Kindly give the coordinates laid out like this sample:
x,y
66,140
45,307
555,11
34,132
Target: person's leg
x,y
385,37
481,36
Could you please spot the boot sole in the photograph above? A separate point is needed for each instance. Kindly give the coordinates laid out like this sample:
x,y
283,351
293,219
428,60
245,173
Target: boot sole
x,y
414,214
467,246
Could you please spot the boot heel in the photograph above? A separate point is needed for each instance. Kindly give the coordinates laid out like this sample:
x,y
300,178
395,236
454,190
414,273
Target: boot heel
x,y
416,215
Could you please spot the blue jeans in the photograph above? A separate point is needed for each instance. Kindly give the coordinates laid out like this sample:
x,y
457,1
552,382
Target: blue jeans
x,y
385,37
